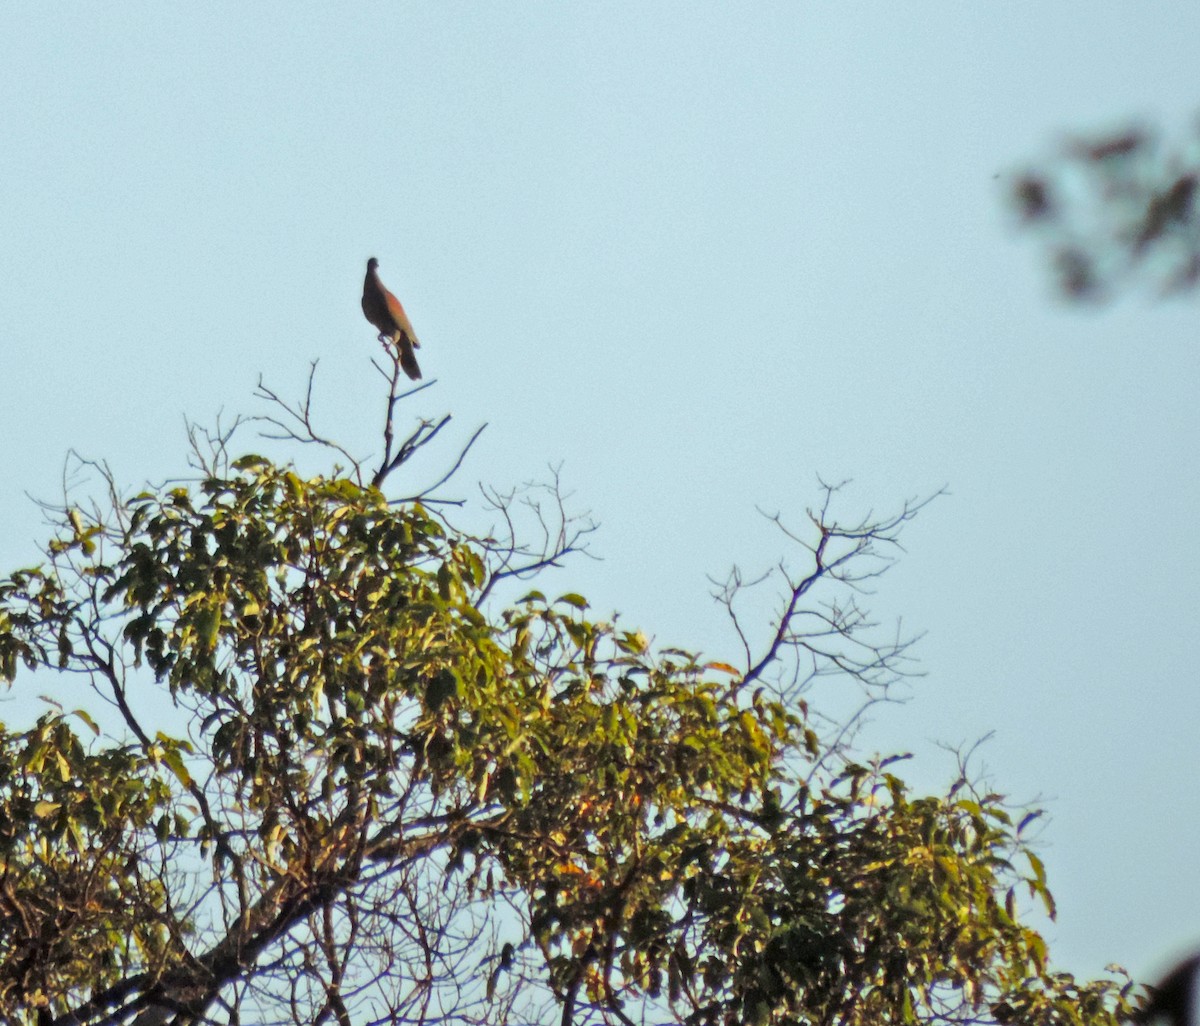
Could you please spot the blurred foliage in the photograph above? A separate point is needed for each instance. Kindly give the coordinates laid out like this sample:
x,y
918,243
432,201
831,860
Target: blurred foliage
x,y
1116,211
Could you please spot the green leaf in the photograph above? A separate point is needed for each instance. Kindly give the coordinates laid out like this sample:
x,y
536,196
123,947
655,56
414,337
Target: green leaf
x,y
175,764
1039,870
35,757
633,642
442,687
295,486
82,715
611,720
759,1013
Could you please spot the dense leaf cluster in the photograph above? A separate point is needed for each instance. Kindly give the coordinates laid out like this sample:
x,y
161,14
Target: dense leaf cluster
x,y
327,780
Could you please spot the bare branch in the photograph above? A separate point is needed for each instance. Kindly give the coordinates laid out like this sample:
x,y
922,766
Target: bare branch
x,y
296,422
833,635
560,534
426,494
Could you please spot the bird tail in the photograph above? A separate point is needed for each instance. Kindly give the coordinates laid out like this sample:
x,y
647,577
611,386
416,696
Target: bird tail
x,y
408,359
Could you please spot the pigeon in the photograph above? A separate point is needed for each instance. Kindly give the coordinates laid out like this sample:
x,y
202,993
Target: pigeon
x,y
384,311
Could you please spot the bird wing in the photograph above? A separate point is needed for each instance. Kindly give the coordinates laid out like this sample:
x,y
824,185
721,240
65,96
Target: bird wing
x,y
398,316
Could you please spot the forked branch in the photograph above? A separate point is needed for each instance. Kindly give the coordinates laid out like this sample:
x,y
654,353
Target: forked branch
x,y
830,637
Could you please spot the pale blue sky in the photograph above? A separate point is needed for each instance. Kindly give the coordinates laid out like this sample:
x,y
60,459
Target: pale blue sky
x,y
698,253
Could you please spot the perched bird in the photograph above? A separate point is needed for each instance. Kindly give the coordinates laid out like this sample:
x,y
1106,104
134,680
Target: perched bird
x,y
384,311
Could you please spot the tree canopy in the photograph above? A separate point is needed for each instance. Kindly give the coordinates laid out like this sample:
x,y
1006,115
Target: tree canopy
x,y
312,753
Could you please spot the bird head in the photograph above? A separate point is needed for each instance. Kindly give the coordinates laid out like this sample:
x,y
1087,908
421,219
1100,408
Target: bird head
x,y
372,264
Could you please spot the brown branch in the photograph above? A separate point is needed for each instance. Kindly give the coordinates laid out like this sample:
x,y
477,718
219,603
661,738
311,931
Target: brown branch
x,y
191,988
425,433
425,494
